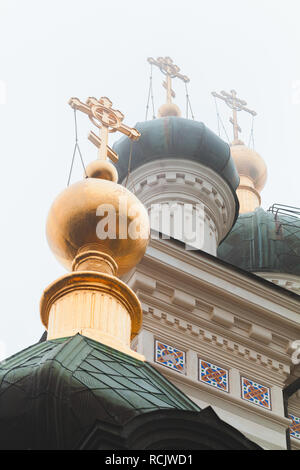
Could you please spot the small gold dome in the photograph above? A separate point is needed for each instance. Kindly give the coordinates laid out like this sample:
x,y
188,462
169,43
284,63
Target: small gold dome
x,y
169,109
102,169
86,211
250,164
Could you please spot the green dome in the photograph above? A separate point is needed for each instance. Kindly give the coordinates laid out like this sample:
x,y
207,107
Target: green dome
x,y
174,137
52,393
76,393
261,241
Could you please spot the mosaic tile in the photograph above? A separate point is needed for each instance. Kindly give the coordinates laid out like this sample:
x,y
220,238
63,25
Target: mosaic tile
x,y
213,375
169,356
256,393
295,427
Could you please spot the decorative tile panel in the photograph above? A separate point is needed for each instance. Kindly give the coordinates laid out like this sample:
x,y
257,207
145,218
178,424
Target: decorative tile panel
x,y
169,356
295,427
256,393
213,375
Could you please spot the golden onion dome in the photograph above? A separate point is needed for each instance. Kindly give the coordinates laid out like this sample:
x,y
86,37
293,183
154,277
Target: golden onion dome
x,y
250,164
102,216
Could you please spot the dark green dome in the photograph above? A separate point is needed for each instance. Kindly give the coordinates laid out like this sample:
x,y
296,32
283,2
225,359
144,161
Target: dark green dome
x,y
52,393
174,137
262,241
76,393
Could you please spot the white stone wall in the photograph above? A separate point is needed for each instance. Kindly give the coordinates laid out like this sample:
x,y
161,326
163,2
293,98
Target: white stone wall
x,y
197,305
197,308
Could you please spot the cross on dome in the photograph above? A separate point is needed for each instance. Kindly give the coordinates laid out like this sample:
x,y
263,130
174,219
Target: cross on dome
x,y
170,70
236,104
107,120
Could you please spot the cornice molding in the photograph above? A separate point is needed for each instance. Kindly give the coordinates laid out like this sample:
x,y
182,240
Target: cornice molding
x,y
287,281
234,320
195,320
217,271
205,342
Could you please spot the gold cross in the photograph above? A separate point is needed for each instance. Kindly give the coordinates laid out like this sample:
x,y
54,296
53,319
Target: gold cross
x,y
236,105
170,70
107,120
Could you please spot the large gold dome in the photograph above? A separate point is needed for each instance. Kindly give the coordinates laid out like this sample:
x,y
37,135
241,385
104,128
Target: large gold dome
x,y
250,164
73,223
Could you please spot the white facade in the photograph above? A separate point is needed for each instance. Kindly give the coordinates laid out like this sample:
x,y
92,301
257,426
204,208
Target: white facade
x,y
207,310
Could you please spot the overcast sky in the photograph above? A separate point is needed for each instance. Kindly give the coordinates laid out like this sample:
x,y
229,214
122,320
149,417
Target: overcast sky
x,y
52,50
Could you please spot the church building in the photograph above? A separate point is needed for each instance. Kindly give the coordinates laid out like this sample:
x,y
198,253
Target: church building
x,y
177,325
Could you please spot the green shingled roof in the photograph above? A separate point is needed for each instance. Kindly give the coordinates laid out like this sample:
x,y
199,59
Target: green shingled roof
x,y
67,384
261,241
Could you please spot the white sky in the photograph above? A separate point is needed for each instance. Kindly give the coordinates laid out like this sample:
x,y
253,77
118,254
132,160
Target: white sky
x,y
51,50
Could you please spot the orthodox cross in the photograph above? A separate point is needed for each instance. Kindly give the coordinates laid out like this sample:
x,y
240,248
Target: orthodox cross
x,y
236,105
107,120
170,70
